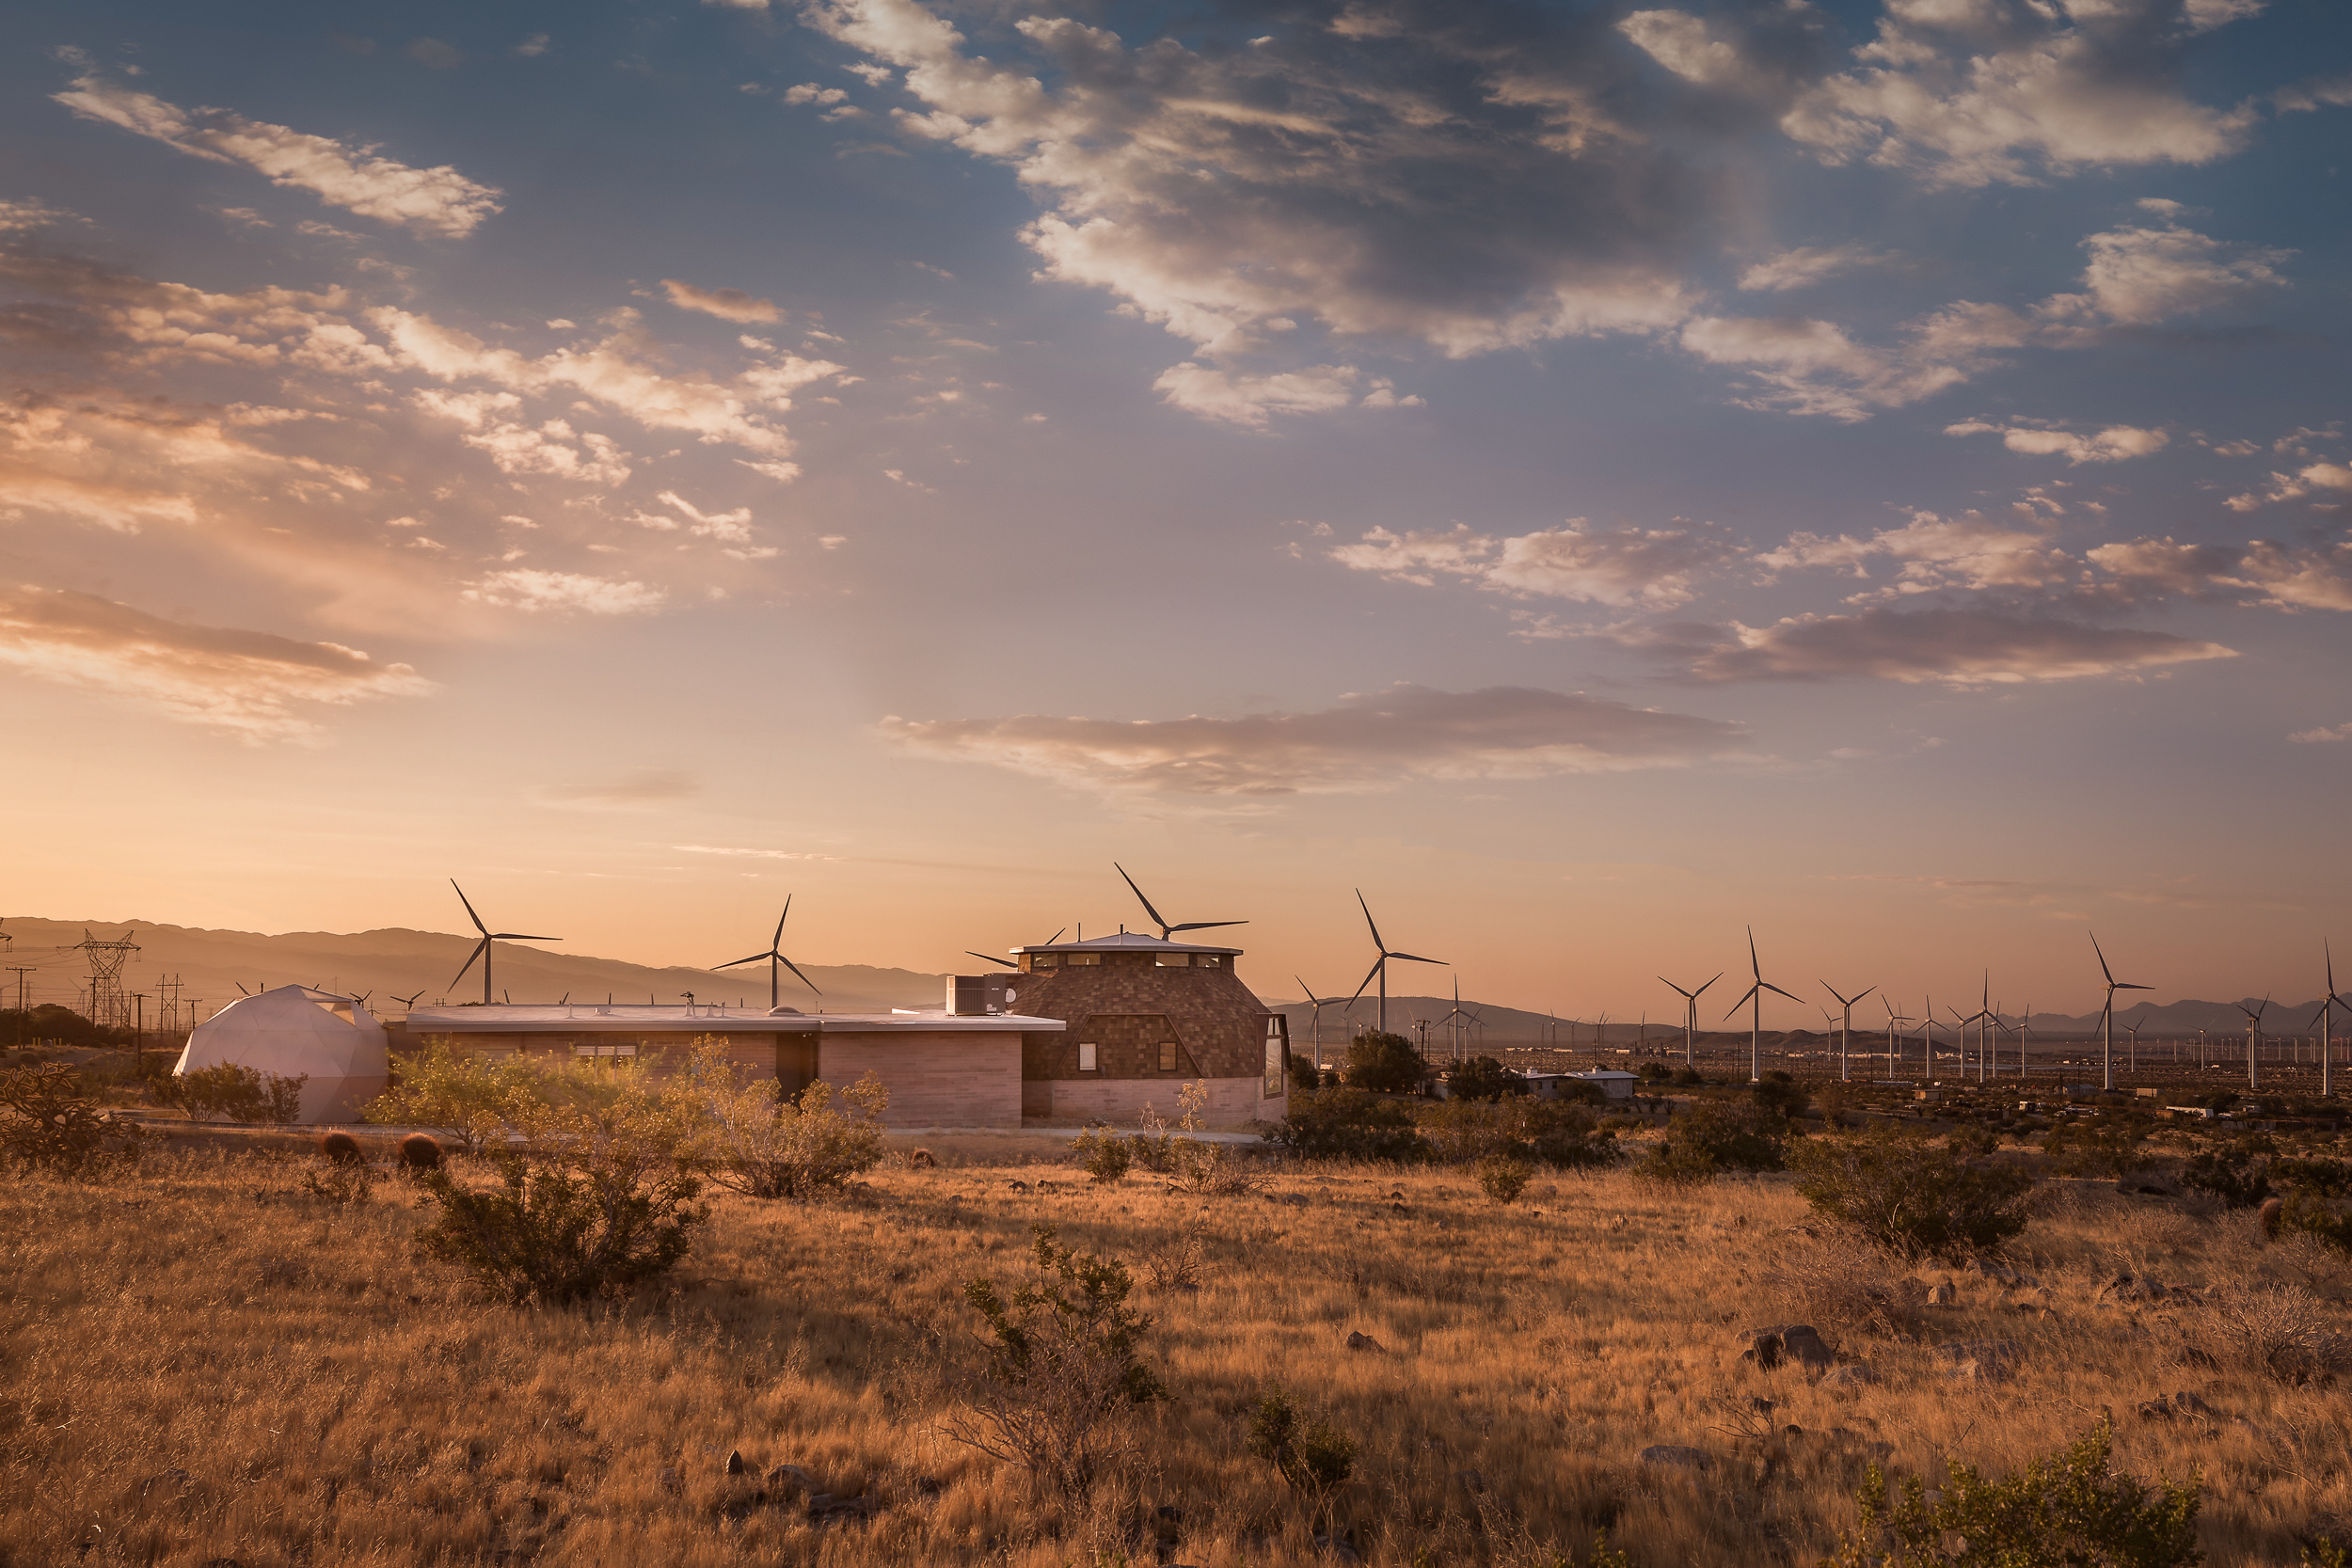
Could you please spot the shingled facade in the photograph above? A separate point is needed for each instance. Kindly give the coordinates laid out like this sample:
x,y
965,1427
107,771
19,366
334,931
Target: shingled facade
x,y
1144,1016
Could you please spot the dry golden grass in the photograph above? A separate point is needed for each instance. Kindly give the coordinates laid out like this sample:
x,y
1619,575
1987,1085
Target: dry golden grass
x,y
205,1362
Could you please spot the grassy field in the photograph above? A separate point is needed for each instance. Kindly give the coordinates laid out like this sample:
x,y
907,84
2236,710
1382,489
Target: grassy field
x,y
205,1362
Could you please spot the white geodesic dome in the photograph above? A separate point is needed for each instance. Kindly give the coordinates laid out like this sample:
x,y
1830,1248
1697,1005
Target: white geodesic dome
x,y
295,1031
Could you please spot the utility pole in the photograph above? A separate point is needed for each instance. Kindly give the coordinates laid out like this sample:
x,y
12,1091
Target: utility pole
x,y
21,1015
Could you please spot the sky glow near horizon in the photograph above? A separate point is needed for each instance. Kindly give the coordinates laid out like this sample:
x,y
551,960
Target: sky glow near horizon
x,y
1594,477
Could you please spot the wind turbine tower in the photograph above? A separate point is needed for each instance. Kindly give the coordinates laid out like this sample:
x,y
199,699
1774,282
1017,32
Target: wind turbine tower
x,y
1690,1016
2106,1017
2253,1040
482,948
1755,1017
775,956
1845,1029
1380,965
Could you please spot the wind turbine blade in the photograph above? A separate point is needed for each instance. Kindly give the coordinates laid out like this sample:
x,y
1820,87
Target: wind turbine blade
x,y
1743,998
1146,902
985,958
1415,956
1695,995
1776,990
1860,994
479,948
468,903
2103,958
519,936
1754,967
2120,985
796,969
756,958
1677,990
1368,980
1368,921
1206,925
777,941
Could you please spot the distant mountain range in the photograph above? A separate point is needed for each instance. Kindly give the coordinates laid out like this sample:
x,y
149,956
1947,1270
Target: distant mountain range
x,y
397,963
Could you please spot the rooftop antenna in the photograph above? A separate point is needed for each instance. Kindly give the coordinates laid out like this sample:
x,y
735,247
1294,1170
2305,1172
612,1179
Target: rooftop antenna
x,y
2326,1045
2106,1017
482,948
1690,1016
1756,1019
1845,1030
1380,966
2254,1037
1166,929
775,956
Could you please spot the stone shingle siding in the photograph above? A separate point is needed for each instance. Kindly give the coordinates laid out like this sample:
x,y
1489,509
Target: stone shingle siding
x,y
1127,1006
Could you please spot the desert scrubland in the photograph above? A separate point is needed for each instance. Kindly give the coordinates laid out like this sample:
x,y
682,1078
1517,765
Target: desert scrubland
x,y
207,1361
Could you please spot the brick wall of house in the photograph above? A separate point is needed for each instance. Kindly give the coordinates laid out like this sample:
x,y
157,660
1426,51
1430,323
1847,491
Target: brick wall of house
x,y
959,1080
1128,1006
1231,1100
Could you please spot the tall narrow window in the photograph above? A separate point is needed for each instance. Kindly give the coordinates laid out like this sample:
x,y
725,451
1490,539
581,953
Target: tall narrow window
x,y
1086,1056
1167,1055
1276,1056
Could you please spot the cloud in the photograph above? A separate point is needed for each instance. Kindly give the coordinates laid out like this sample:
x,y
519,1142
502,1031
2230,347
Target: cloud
x,y
1971,94
749,854
2280,577
1802,269
435,200
731,527
650,787
1951,647
532,590
2139,277
2321,737
1249,399
1367,743
2163,566
2114,444
1631,568
249,683
2316,92
1458,180
1969,551
726,304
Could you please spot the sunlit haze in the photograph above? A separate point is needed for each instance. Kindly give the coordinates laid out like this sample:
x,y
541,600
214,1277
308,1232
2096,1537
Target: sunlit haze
x,y
1594,479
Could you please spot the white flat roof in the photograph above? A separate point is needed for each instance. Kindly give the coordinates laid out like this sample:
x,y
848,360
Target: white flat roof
x,y
526,1017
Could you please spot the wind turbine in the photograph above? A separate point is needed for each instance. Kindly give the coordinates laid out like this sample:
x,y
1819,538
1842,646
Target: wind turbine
x,y
2254,1037
1314,1024
2131,1048
482,948
2326,1046
1756,1018
2024,1032
2106,1017
1845,1029
1454,1021
1690,1015
992,958
1380,966
775,956
1959,1028
1166,929
410,1002
1893,1022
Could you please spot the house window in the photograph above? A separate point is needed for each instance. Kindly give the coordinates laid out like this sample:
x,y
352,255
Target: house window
x,y
1086,1056
1277,1057
1175,961
1208,961
1167,1055
1044,960
1082,960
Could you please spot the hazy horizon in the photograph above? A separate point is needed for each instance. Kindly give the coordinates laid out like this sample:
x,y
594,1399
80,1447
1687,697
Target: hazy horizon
x,y
1597,478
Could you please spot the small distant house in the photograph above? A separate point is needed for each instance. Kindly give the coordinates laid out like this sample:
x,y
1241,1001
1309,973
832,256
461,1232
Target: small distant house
x,y
294,1032
1612,1084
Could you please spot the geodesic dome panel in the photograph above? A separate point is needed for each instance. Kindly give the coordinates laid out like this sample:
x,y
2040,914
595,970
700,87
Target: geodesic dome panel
x,y
295,1031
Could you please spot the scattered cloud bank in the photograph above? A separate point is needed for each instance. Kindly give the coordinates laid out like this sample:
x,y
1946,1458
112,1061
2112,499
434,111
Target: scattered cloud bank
x,y
1643,569
435,200
2321,737
247,683
649,787
2114,444
1950,647
1968,552
732,304
1366,743
526,587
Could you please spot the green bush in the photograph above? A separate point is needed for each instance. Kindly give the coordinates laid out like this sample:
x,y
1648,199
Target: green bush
x,y
1104,1155
1560,1134
477,1098
1349,1124
1314,1457
754,1139
550,1235
227,1092
1301,1069
1781,1095
2237,1173
2106,1143
2069,1511
1502,1178
2318,1200
1384,1064
1483,1078
53,1124
1064,1370
1714,1136
1910,1195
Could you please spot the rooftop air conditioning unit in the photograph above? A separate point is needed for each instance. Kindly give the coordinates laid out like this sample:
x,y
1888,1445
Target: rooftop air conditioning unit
x,y
972,995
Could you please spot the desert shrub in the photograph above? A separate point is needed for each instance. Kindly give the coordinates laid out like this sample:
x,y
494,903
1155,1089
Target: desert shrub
x,y
1104,1156
753,1139
1302,1074
1503,1177
1653,1072
1174,1261
1064,1370
477,1098
227,1091
418,1152
1198,1166
348,1182
2281,1330
2070,1509
922,1159
52,1024
2318,1200
1841,1286
1687,1077
342,1148
1384,1064
53,1123
1314,1457
1560,1134
2106,1143
1781,1095
1349,1124
1910,1195
600,1199
1714,1136
2237,1173
1484,1078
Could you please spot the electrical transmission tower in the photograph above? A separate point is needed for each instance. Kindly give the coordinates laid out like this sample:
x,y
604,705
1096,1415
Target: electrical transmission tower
x,y
109,1007
168,988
